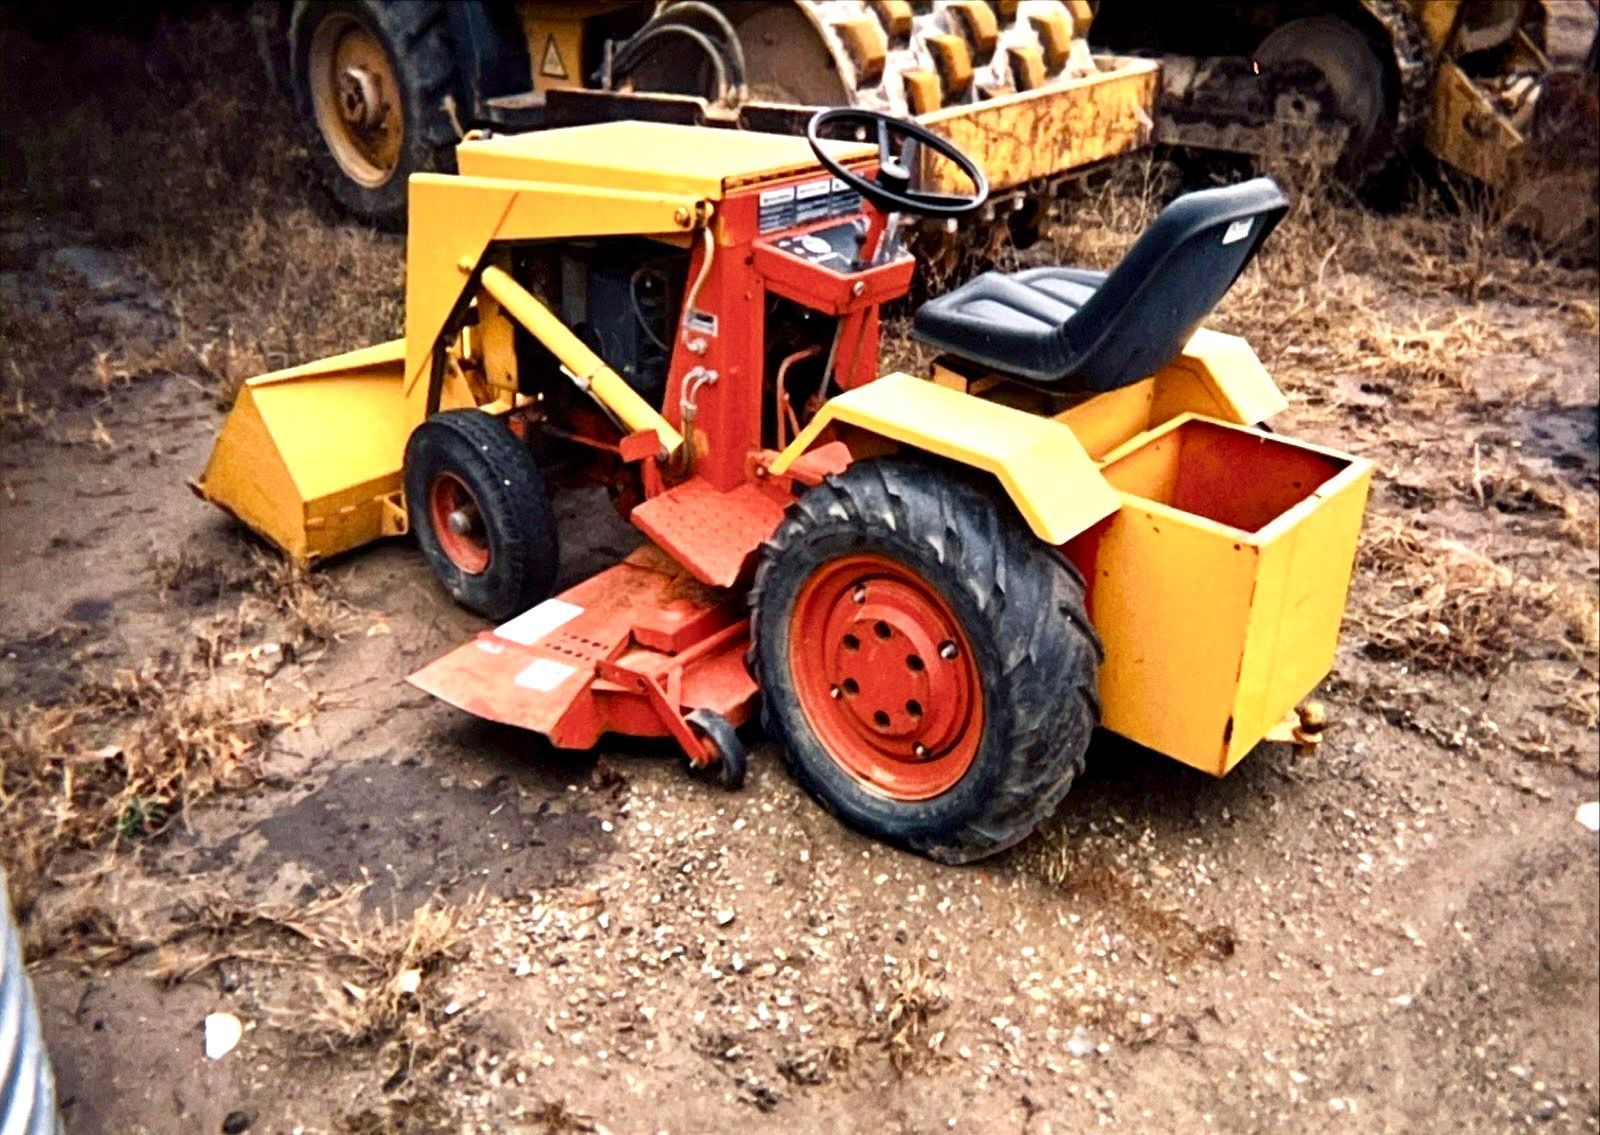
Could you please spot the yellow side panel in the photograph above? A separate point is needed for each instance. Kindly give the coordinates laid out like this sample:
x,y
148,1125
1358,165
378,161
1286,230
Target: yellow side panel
x,y
1050,130
1217,375
1227,368
1308,558
454,219
1038,461
1171,600
1107,420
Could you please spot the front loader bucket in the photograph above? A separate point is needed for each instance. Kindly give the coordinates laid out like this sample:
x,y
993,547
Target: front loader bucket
x,y
310,457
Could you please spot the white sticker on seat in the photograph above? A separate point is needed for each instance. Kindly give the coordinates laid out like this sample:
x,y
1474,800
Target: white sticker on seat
x,y
533,624
1238,230
544,675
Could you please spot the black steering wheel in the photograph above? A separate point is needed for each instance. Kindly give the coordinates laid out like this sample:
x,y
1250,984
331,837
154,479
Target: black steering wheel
x,y
891,191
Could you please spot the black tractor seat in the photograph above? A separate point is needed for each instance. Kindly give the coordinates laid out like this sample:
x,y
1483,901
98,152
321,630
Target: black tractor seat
x,y
1077,329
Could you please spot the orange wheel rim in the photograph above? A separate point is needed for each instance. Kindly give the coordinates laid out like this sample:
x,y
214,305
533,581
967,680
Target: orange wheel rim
x,y
356,99
457,523
886,677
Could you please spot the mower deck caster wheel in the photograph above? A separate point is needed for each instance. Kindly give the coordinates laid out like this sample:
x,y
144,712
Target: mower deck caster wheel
x,y
732,757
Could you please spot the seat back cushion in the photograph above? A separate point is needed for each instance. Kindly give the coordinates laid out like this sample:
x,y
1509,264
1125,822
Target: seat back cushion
x,y
1138,320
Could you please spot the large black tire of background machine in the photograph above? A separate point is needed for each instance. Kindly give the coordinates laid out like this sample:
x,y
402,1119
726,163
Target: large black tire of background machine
x,y
1022,607
520,523
416,39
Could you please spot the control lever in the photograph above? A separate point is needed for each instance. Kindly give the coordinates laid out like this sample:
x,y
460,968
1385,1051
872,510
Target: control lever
x,y
888,243
863,228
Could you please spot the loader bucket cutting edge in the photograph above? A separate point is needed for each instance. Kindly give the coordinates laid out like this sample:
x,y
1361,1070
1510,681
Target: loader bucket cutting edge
x,y
311,457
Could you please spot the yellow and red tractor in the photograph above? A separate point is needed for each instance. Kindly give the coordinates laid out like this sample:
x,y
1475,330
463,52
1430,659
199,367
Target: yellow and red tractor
x,y
932,588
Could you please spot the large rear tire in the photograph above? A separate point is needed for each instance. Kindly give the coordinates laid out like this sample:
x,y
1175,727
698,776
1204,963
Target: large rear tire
x,y
1374,67
372,81
479,509
925,662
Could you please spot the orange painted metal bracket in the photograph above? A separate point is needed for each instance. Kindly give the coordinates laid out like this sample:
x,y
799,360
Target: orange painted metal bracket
x,y
632,650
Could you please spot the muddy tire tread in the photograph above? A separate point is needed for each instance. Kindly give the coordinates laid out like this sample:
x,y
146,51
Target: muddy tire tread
x,y
1047,696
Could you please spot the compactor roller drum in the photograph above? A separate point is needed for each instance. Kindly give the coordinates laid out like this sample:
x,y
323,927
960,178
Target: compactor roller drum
x,y
926,663
907,59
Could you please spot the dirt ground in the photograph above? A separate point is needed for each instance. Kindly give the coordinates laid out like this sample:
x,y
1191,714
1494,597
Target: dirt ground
x,y
220,797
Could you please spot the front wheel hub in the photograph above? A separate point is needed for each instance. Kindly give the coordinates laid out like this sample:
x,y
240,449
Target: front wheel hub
x,y
886,677
355,97
359,98
458,523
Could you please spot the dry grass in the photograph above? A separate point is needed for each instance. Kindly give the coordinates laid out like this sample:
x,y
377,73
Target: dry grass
x,y
121,763
322,973
1514,487
371,981
901,1009
133,750
183,153
1436,604
300,609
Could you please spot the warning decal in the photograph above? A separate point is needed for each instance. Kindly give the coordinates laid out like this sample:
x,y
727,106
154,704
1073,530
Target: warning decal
x,y
551,65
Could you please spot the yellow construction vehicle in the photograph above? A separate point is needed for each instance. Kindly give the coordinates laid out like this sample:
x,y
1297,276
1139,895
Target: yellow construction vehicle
x,y
387,87
1367,82
934,587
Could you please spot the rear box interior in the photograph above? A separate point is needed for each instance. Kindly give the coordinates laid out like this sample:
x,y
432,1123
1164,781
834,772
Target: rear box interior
x,y
1220,584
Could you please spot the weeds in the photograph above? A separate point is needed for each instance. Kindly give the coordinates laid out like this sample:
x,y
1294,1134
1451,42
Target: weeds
x,y
303,606
901,1009
372,980
120,764
1438,605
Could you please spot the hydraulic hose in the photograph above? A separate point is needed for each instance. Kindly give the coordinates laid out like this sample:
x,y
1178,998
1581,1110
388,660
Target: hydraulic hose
x,y
726,56
631,55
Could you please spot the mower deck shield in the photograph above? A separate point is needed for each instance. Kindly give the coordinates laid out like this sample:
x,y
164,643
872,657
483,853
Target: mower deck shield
x,y
632,650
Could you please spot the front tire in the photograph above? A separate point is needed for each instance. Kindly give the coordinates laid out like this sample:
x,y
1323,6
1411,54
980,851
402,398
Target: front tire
x,y
925,662
481,514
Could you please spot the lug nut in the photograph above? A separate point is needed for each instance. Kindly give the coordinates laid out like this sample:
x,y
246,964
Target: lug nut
x,y
859,595
920,750
835,693
947,650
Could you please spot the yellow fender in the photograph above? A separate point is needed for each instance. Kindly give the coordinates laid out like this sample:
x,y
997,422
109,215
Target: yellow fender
x,y
1040,463
1050,466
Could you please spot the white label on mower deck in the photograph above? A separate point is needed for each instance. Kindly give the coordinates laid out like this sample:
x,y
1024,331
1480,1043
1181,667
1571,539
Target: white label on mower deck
x,y
1238,230
533,624
544,675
